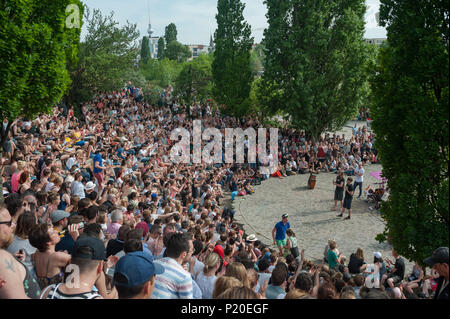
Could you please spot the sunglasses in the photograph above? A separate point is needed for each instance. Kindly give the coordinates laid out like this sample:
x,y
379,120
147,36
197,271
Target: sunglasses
x,y
8,223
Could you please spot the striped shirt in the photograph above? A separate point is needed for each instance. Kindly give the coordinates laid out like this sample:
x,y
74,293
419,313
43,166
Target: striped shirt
x,y
174,283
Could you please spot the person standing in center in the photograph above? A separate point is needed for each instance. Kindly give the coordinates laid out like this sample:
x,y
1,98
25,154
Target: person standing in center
x,y
339,191
349,190
279,233
359,172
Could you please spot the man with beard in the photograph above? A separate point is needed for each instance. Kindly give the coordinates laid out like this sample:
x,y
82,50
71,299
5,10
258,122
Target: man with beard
x,y
16,282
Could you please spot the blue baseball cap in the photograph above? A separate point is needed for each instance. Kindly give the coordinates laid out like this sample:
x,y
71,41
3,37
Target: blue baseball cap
x,y
136,268
154,195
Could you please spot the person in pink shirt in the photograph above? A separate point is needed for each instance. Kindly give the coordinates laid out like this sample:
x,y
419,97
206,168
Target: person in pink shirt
x,y
116,222
16,175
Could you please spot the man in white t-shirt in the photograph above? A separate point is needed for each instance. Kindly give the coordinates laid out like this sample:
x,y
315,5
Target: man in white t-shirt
x,y
359,173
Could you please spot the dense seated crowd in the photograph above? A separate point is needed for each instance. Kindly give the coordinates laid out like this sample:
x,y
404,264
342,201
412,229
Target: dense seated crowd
x,y
100,192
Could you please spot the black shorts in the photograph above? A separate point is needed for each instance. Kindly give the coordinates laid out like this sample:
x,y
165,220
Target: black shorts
x,y
396,279
338,194
347,203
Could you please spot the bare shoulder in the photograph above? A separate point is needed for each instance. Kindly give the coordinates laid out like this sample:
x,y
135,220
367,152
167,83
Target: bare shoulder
x,y
12,273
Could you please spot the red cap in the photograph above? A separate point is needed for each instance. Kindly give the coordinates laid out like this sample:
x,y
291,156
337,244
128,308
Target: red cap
x,y
143,226
219,250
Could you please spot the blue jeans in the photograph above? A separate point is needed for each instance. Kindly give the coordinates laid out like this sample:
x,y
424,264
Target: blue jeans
x,y
356,184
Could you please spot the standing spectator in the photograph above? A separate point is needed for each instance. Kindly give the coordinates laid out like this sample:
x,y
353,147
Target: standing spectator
x,y
359,173
439,261
348,199
175,282
134,276
339,191
98,169
292,243
279,233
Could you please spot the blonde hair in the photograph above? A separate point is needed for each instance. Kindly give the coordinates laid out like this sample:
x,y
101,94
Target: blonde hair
x,y
211,261
223,283
252,278
238,293
21,165
238,271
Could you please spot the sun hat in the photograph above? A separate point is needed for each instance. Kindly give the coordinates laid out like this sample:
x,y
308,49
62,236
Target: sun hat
x,y
252,237
89,186
377,254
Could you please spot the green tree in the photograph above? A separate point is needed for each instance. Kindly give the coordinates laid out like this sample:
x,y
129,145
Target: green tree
x,y
255,63
107,54
38,40
36,46
161,48
177,51
161,73
410,120
315,61
195,79
145,50
171,33
231,66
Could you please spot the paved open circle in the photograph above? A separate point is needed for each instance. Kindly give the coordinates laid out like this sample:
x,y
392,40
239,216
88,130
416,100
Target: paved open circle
x,y
310,215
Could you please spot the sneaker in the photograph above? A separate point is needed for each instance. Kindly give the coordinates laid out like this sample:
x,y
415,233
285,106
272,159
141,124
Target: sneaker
x,y
348,217
340,215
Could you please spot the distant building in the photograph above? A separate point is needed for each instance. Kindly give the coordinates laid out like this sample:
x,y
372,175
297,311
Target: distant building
x,y
376,41
152,41
197,50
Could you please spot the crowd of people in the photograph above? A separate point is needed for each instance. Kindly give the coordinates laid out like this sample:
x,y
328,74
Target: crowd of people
x,y
94,208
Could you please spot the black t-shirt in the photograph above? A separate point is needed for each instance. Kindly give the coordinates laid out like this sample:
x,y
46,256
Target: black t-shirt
x,y
338,181
400,267
354,264
350,189
441,294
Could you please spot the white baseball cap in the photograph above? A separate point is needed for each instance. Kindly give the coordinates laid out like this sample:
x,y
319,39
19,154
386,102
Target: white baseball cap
x,y
377,254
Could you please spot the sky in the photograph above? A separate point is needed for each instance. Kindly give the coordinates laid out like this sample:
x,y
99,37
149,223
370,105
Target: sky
x,y
195,19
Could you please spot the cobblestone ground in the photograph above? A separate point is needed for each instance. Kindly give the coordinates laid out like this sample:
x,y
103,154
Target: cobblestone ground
x,y
311,217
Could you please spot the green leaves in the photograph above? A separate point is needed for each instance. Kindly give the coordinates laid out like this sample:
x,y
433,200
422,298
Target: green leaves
x,y
316,61
231,66
106,56
177,52
195,79
35,49
171,33
145,50
410,114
